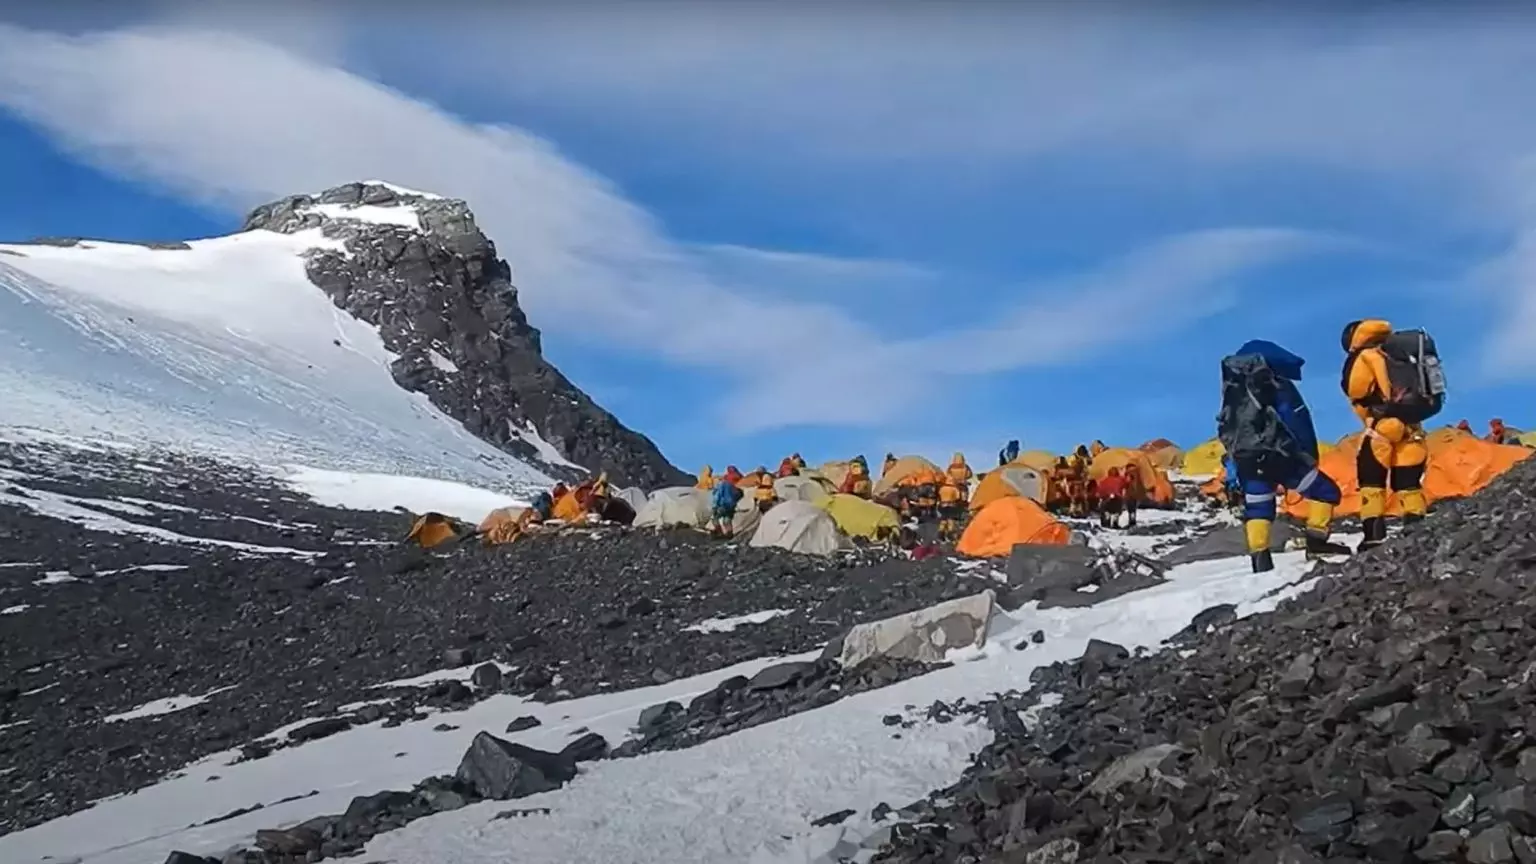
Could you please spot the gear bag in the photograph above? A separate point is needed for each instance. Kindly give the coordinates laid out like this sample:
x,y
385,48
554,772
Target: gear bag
x,y
1418,381
1257,440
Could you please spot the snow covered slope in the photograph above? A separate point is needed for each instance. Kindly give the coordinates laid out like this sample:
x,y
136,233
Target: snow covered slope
x,y
219,345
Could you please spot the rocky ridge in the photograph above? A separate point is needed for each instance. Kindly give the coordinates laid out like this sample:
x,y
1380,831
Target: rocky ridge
x,y
1385,715
445,304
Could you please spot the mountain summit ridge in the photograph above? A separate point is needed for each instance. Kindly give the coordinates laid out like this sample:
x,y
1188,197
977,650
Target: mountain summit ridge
x,y
417,267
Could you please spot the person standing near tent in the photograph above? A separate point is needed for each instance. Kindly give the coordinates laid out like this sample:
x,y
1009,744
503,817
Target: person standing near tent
x,y
732,475
765,495
890,462
722,510
1394,383
799,462
856,481
1135,493
1498,433
1109,491
787,467
1008,453
959,471
706,479
952,507
1266,427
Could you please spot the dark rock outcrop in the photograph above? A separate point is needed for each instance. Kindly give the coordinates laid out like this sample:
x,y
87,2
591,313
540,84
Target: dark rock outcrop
x,y
445,304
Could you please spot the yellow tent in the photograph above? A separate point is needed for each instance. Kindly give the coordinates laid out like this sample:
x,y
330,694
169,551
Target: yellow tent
x,y
1528,439
834,471
905,467
1040,460
503,525
1203,459
1009,480
857,517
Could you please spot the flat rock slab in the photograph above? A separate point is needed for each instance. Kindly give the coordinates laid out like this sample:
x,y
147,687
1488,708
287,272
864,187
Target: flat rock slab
x,y
925,635
1228,543
1033,570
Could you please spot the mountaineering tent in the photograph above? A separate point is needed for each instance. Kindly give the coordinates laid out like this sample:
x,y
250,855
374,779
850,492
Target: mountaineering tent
x,y
1040,460
835,471
857,517
799,488
634,496
1011,480
1204,460
1159,490
568,509
1007,522
798,527
1458,466
501,525
1163,453
432,529
1528,439
908,468
747,517
676,505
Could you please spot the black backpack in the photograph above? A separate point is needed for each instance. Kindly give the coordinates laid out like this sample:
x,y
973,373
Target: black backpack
x,y
1418,381
1249,426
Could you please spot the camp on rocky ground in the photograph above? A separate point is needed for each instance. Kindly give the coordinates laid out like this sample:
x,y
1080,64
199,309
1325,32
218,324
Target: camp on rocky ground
x,y
467,615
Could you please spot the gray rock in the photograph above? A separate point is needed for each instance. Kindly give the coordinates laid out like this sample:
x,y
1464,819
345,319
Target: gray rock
x,y
501,770
293,841
1491,846
656,715
528,721
487,677
1033,570
1062,850
588,748
1131,768
780,675
457,658
1441,846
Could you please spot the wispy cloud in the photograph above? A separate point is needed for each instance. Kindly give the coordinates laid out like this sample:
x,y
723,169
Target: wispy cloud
x,y
235,121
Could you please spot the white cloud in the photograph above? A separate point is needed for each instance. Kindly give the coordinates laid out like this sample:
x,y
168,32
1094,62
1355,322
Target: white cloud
x,y
235,121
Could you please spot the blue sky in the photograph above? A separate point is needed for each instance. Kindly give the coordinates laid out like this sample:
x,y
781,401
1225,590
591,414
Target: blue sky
x,y
864,228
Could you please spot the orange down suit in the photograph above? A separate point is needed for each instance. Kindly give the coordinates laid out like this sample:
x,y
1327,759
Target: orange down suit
x,y
1392,453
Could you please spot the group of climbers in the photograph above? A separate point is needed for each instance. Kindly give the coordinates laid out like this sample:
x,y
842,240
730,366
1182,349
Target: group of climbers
x,y
1393,381
1498,433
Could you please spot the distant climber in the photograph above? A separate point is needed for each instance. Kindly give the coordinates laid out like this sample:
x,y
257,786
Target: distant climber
x,y
959,471
1009,453
765,495
952,508
1109,494
1135,493
798,460
857,481
787,467
542,507
1266,427
1464,426
707,479
1394,382
890,462
722,511
923,501
1097,448
1498,433
1079,494
732,475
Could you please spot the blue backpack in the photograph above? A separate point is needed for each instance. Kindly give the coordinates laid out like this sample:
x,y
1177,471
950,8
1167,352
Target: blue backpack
x,y
726,496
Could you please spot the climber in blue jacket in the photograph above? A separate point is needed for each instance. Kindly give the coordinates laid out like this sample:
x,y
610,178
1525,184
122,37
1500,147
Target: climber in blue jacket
x,y
1267,429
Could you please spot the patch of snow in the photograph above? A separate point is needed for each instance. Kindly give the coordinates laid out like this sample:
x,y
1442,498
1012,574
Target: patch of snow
x,y
157,505
547,452
4,564
41,689
15,610
226,348
62,507
350,707
401,190
373,214
55,577
440,362
13,725
726,625
705,803
1090,588
385,492
168,705
107,504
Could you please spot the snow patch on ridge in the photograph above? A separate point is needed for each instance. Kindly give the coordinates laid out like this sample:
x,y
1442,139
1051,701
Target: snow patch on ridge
x,y
387,492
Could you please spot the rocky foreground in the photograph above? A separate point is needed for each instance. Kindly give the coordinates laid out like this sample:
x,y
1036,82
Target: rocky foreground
x,y
284,611
1387,716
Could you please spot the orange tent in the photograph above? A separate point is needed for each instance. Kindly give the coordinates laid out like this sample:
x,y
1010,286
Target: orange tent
x,y
908,471
1159,489
1459,465
1040,460
503,525
432,529
1007,522
1011,480
1156,444
568,509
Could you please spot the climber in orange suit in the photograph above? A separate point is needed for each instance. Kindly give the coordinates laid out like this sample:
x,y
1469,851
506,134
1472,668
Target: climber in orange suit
x,y
1393,452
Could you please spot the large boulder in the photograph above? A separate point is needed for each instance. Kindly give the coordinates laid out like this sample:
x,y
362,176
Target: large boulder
x,y
1228,542
501,770
926,635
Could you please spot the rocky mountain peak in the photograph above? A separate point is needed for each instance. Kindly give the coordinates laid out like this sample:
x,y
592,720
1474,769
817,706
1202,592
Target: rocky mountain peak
x,y
418,267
